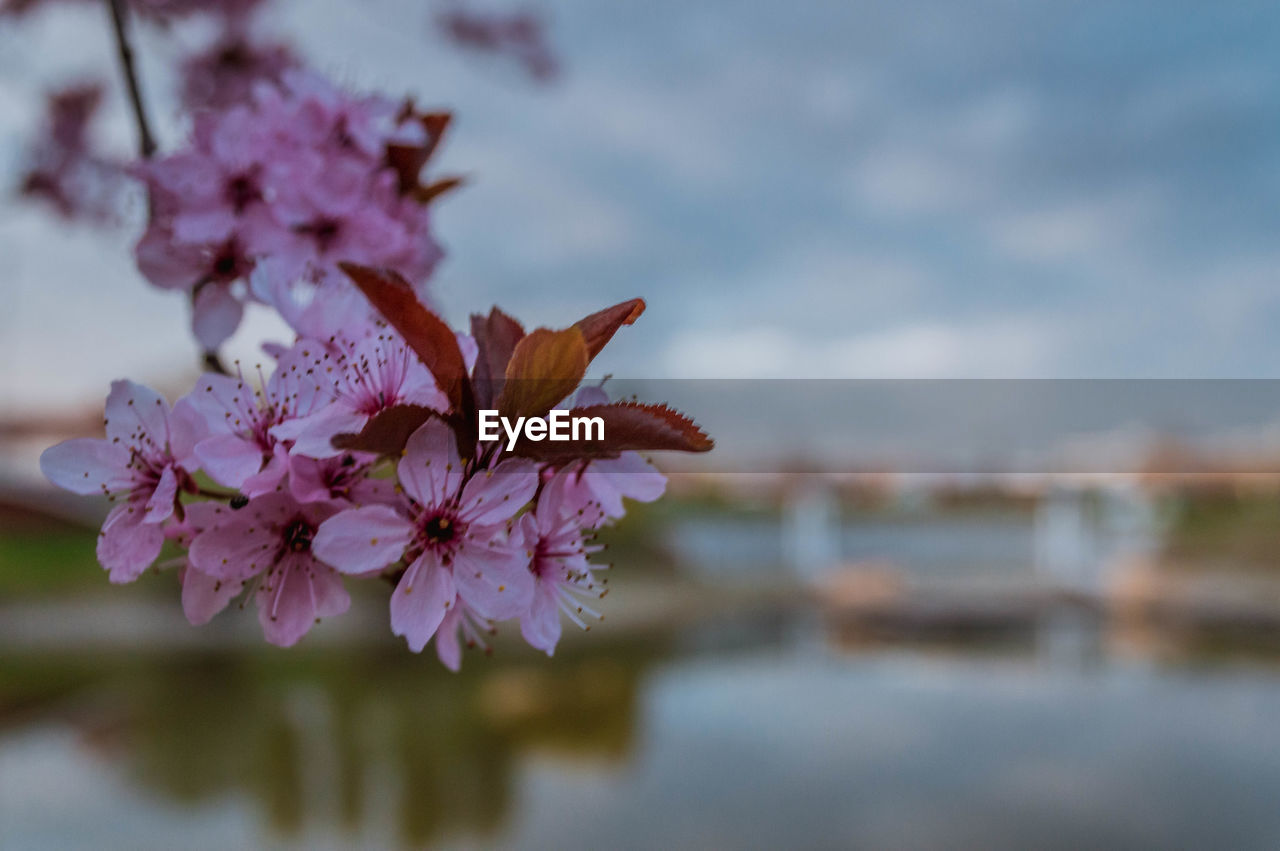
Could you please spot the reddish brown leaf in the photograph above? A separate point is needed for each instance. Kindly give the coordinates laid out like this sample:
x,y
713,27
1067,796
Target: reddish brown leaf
x,y
409,160
598,328
627,426
388,431
435,123
429,193
428,336
496,336
545,367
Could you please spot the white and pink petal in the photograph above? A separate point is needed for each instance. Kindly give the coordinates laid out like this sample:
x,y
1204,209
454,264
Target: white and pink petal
x,y
126,545
494,580
422,598
296,593
268,479
494,496
362,539
312,435
431,470
243,545
229,459
540,626
165,494
203,596
88,465
215,314
448,648
137,415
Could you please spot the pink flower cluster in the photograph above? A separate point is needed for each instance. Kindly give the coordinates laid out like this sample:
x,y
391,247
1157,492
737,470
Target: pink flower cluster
x,y
63,169
520,35
356,454
226,72
270,194
242,478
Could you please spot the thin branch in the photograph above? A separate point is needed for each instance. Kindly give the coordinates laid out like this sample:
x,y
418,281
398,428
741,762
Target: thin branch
x,y
146,142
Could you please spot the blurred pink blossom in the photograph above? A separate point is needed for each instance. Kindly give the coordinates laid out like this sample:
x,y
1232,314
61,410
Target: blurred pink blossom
x,y
142,464
63,170
226,72
300,176
520,36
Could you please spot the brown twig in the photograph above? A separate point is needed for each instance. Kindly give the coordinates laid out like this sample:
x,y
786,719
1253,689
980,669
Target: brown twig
x,y
146,141
124,48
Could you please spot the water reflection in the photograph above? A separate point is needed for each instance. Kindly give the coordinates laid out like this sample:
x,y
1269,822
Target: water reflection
x,y
940,685
771,730
332,743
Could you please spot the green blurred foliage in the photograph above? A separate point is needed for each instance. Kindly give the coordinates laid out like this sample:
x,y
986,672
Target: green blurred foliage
x,y
56,563
48,563
278,725
1224,530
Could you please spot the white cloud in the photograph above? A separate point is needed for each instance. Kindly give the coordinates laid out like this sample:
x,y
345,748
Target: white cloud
x,y
668,128
989,348
996,121
551,216
1088,228
907,182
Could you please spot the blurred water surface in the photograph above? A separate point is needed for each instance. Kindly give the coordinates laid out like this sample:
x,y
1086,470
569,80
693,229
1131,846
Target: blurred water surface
x,y
762,731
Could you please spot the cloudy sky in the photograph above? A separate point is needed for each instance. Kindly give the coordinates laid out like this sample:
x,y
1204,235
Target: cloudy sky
x,y
994,189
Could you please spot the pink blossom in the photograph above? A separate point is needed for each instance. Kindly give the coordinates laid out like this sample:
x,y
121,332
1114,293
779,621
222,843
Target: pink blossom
x,y
320,114
242,451
556,545
333,205
269,540
214,186
318,310
190,266
360,377
461,625
278,190
142,464
343,478
209,213
333,193
450,529
63,169
284,181
519,35
214,271
203,596
597,487
225,73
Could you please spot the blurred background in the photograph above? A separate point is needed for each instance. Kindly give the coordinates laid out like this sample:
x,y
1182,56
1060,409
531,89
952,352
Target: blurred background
x,y
819,640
